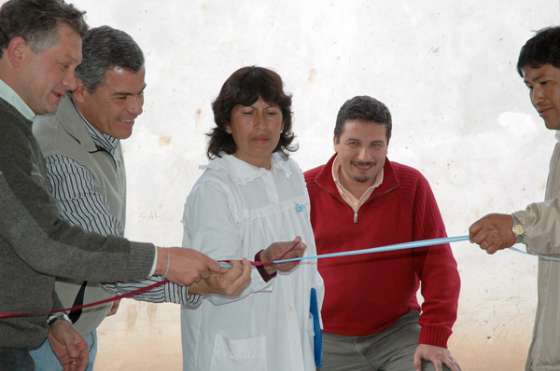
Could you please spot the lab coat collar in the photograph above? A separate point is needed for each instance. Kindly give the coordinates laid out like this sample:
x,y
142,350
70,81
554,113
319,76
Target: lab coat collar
x,y
243,172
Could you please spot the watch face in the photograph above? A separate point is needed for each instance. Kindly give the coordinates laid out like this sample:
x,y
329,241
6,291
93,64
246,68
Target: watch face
x,y
518,230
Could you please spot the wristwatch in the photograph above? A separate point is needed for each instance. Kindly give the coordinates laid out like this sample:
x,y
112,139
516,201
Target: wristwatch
x,y
56,316
518,230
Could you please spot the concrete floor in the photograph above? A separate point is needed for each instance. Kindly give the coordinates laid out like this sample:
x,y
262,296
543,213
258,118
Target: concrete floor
x,y
146,337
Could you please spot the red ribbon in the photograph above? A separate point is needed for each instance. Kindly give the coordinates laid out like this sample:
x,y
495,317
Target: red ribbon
x,y
130,294
141,290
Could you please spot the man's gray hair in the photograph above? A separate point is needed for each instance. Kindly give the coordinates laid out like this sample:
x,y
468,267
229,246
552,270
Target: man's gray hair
x,y
36,21
105,48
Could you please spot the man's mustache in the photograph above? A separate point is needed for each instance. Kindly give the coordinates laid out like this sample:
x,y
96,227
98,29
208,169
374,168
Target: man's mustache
x,y
363,163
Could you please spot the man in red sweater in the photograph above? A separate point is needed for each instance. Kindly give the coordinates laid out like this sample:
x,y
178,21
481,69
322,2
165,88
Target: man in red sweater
x,y
359,199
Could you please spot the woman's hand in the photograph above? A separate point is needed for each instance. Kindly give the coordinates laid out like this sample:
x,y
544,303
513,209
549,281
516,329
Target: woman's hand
x,y
282,250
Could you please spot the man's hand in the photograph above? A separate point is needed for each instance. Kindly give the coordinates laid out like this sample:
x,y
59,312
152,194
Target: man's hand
x,y
230,283
185,266
282,250
493,232
114,308
69,346
437,355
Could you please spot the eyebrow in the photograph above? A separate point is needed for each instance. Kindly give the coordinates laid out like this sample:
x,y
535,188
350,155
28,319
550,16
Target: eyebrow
x,y
69,60
127,93
73,59
267,106
377,141
536,78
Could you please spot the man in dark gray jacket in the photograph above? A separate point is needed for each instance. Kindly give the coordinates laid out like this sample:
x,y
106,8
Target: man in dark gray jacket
x,y
40,47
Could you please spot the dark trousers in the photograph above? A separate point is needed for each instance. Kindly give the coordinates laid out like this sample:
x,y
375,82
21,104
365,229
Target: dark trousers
x,y
16,359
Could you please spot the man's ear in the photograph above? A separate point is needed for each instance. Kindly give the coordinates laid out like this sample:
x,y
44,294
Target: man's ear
x,y
79,93
228,128
17,51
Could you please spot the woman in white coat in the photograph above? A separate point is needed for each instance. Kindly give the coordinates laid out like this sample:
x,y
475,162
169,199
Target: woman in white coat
x,y
251,202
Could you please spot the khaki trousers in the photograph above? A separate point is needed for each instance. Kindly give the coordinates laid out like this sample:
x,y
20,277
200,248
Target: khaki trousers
x,y
390,350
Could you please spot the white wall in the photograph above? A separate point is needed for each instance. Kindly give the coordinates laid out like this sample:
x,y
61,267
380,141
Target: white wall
x,y
446,70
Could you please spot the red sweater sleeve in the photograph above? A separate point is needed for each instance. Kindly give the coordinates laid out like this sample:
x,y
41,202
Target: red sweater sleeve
x,y
437,270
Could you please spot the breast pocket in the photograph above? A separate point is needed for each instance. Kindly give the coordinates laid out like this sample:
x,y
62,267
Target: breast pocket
x,y
239,354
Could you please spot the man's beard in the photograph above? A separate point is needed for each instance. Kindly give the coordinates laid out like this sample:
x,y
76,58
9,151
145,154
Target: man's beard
x,y
362,178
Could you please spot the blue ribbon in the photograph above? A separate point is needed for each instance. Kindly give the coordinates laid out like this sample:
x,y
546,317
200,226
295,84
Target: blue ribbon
x,y
402,246
374,250
544,257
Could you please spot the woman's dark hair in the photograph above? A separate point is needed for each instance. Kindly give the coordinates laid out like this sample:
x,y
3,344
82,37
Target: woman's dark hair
x,y
244,87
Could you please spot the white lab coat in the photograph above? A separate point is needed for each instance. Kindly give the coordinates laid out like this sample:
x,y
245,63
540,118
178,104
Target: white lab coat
x,y
235,210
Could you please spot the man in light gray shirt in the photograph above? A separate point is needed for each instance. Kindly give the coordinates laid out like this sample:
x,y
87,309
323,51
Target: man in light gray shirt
x,y
538,225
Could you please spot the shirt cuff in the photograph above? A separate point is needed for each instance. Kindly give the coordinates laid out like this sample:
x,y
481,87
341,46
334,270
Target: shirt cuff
x,y
154,264
260,268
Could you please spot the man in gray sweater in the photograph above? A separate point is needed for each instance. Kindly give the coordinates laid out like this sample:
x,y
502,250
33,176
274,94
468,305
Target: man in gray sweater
x,y
40,47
